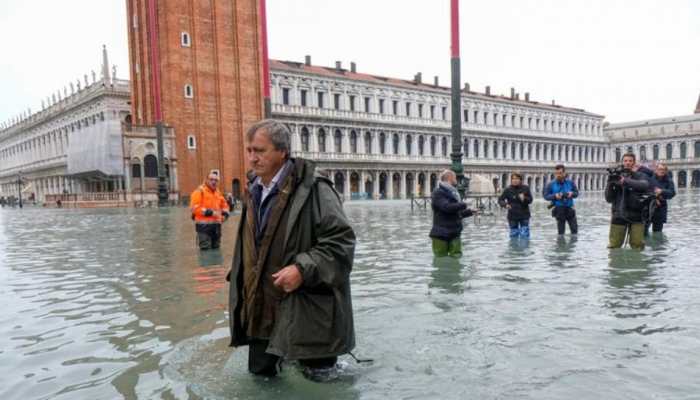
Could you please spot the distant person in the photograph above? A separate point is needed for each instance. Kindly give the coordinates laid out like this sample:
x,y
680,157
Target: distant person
x,y
289,297
664,190
448,212
561,192
231,201
628,192
209,211
516,198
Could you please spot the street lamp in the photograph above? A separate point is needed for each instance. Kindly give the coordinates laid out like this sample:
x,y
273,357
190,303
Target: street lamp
x,y
19,187
456,130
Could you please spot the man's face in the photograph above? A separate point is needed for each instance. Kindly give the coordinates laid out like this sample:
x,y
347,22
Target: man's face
x,y
213,181
515,181
628,162
559,174
264,159
452,179
661,171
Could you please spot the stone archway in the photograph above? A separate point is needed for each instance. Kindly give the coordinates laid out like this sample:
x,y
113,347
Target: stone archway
x,y
421,184
354,186
339,183
396,185
383,179
682,179
409,184
695,179
369,185
433,182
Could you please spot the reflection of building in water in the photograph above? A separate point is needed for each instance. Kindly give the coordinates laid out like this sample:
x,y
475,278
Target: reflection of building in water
x,y
78,145
673,140
389,138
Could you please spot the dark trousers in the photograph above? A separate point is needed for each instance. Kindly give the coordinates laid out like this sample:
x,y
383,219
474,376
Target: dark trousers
x,y
208,236
563,216
656,227
266,364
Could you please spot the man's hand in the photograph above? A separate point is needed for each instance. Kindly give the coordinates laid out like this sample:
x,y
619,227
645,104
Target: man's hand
x,y
288,278
658,191
558,196
570,194
225,214
521,196
208,212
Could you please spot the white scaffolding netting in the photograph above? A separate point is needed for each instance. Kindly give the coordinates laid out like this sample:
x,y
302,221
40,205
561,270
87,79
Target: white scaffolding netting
x,y
96,148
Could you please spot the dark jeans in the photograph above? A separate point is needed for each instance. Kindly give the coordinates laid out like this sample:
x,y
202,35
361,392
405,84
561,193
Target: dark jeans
x,y
563,216
266,364
656,226
208,236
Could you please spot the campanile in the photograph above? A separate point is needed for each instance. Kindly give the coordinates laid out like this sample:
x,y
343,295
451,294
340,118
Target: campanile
x,y
209,73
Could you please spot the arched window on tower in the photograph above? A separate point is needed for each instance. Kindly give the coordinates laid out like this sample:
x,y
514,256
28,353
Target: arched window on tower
x,y
368,143
353,142
337,141
382,143
444,147
684,150
433,144
421,145
669,151
395,143
150,166
409,144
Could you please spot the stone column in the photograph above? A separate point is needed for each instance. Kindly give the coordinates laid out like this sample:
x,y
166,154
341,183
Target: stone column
x,y
361,189
390,185
375,185
346,185
402,144
375,142
402,186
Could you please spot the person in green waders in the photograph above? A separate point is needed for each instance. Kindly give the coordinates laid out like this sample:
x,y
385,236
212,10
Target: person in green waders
x,y
448,212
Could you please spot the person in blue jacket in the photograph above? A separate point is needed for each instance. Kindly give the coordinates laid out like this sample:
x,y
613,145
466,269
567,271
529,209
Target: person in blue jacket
x,y
562,192
517,198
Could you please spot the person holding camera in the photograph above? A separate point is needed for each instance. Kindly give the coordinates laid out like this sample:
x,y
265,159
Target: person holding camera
x,y
562,192
664,190
628,190
448,212
517,198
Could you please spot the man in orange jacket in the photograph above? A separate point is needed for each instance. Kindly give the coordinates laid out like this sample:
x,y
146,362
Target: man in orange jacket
x,y
209,210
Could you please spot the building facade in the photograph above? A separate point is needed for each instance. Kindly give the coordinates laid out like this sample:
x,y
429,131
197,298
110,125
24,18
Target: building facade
x,y
384,138
674,141
80,147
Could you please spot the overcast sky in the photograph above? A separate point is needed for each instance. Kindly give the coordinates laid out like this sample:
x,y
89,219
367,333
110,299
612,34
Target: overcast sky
x,y
625,59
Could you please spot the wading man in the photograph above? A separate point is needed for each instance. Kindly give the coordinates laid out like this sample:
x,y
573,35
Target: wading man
x,y
664,190
448,212
627,190
561,192
209,211
289,296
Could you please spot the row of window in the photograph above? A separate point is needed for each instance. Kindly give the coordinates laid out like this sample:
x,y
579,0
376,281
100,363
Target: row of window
x,y
479,148
59,136
420,110
655,152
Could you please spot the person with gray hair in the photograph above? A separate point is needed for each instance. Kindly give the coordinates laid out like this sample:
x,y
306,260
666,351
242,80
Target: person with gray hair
x,y
289,297
448,212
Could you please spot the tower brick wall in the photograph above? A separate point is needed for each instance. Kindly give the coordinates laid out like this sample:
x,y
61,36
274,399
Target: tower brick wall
x,y
223,65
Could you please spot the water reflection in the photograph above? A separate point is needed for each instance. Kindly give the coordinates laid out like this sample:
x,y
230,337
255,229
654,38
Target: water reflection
x,y
121,304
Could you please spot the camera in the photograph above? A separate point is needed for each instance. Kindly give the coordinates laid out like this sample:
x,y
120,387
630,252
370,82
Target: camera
x,y
615,173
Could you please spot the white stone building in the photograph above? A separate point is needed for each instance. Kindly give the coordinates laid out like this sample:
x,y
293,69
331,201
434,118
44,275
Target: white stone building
x,y
389,138
79,146
674,141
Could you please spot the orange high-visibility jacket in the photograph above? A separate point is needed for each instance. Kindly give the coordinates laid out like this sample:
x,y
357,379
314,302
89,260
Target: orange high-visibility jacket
x,y
204,198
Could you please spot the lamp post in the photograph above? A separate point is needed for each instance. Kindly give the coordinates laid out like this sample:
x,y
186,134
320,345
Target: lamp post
x,y
456,130
155,79
19,187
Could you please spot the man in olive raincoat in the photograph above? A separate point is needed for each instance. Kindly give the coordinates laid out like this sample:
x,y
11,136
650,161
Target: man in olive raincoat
x,y
289,295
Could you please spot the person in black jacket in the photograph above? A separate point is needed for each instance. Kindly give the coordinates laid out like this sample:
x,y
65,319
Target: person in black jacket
x,y
628,190
448,212
517,198
664,190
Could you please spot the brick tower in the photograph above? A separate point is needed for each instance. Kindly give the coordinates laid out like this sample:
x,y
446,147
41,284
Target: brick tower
x,y
209,61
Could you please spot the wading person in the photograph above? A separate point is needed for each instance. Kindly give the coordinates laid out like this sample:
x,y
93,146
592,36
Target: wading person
x,y
664,190
628,192
289,296
561,192
209,211
448,211
517,198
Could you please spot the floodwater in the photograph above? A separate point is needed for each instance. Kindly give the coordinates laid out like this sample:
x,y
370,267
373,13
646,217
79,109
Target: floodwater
x,y
106,304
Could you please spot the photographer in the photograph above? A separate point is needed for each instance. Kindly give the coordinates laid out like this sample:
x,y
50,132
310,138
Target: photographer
x,y
628,191
448,212
664,190
562,192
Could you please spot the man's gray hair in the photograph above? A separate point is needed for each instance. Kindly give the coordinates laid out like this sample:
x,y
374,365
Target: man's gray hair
x,y
277,132
445,174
